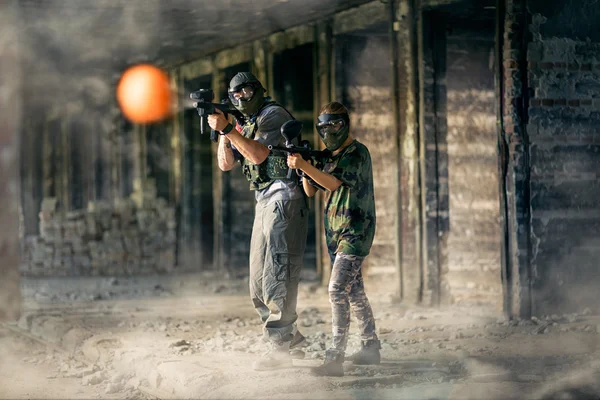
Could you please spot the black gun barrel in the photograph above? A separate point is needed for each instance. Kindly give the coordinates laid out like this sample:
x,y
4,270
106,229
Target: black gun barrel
x,y
304,151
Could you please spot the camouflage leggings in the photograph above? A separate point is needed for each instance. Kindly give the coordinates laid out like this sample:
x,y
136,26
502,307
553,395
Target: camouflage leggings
x,y
346,290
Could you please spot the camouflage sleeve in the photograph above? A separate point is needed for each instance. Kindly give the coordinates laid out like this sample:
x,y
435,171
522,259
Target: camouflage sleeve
x,y
269,126
349,167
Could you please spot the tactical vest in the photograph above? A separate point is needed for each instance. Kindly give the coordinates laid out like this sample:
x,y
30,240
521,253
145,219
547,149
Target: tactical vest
x,y
273,168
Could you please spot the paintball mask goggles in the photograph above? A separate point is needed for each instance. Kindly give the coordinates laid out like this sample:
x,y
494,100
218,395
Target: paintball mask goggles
x,y
245,93
333,129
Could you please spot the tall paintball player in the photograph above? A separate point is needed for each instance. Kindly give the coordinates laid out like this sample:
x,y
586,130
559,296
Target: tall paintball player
x,y
281,214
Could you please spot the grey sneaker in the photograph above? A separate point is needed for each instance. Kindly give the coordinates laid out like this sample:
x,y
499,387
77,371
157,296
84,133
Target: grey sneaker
x,y
277,357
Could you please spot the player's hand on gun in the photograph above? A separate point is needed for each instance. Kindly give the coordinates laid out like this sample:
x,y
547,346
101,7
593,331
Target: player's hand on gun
x,y
217,121
295,161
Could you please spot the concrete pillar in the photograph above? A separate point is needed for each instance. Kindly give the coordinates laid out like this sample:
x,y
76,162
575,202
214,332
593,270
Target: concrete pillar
x,y
405,28
324,87
221,186
433,153
517,160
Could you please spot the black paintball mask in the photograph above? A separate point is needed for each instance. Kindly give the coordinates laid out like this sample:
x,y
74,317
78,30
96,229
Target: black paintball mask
x,y
333,129
246,93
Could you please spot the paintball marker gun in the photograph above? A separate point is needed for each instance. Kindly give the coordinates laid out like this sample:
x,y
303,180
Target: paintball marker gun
x,y
205,106
290,131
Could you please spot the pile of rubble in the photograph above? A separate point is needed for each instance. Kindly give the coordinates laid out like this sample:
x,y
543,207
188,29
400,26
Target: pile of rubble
x,y
135,236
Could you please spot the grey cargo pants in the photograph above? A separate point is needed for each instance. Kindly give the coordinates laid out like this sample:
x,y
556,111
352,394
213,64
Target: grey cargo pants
x,y
276,259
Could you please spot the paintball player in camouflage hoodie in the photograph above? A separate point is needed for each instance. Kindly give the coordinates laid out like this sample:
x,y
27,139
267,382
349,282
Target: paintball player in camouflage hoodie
x,y
347,178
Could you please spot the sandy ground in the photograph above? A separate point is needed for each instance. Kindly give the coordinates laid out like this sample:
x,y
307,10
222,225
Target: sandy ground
x,y
195,336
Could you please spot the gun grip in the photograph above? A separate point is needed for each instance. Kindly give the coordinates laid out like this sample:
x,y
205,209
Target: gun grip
x,y
203,124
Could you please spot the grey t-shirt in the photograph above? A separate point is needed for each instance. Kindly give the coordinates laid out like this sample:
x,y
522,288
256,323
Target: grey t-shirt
x,y
268,133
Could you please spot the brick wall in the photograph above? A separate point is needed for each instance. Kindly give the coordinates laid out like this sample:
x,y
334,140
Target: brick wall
x,y
135,237
363,85
474,240
564,119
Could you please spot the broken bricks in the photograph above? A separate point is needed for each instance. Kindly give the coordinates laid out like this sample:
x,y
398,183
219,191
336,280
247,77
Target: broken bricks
x,y
102,240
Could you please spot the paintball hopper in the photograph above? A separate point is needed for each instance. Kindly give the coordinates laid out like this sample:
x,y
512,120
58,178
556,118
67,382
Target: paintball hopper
x,y
291,130
203,96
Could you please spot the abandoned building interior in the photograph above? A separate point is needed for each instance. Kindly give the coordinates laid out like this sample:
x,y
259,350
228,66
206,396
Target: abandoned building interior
x,y
482,119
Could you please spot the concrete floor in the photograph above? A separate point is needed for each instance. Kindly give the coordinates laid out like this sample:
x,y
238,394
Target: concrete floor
x,y
196,336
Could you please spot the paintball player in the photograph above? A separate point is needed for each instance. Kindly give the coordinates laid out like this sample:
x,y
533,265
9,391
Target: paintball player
x,y
281,214
347,178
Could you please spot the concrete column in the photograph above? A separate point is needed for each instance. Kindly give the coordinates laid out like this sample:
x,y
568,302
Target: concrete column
x,y
518,163
433,153
409,252
323,84
221,198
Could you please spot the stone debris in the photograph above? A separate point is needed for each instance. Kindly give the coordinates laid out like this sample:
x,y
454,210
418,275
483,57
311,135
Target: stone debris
x,y
310,317
80,372
180,343
125,239
120,377
94,379
154,379
316,346
541,329
112,388
133,383
219,288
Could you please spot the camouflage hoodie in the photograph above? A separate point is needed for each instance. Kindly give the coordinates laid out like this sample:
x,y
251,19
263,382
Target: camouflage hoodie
x,y
350,210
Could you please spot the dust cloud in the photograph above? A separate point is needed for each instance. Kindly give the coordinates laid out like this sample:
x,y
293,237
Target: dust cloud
x,y
76,50
10,110
73,53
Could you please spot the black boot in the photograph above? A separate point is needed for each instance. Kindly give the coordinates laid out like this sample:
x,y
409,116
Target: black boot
x,y
333,365
368,355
